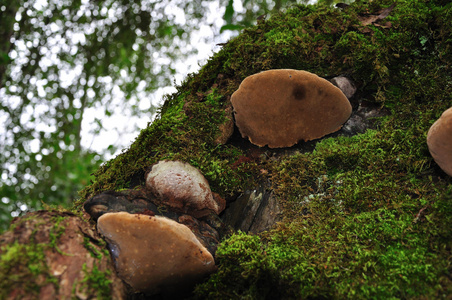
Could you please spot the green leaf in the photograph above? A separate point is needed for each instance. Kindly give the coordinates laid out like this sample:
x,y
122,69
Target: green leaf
x,y
231,27
229,12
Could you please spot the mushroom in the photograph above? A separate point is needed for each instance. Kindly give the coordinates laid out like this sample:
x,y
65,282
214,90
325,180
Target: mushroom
x,y
183,188
439,141
279,108
154,254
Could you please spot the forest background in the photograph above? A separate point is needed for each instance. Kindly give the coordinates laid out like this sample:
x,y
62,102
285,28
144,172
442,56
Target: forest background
x,y
79,79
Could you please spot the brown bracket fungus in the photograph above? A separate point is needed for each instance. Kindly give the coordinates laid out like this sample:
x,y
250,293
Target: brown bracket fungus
x,y
439,141
183,188
279,108
155,255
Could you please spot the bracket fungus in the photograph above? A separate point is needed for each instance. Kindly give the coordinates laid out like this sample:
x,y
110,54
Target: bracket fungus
x,y
183,188
131,201
154,254
439,141
279,108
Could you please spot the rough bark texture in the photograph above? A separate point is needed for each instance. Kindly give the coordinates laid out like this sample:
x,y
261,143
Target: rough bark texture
x,y
56,255
254,211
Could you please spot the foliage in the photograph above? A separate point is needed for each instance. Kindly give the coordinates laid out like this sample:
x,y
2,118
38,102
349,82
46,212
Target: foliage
x,y
237,20
259,10
61,60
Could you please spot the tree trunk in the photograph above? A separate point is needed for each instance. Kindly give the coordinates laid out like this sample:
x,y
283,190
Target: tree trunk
x,y
56,255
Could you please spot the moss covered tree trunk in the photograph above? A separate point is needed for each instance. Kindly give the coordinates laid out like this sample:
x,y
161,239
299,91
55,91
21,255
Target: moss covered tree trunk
x,y
363,216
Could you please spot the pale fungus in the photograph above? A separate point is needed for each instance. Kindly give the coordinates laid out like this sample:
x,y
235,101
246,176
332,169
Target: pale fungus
x,y
439,141
154,254
345,85
183,188
279,108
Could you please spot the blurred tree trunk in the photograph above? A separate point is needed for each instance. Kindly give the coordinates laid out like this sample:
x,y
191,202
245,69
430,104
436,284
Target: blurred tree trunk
x,y
6,31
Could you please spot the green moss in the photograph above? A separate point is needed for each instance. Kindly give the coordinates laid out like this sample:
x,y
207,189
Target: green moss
x,y
366,216
23,268
329,253
56,232
320,39
186,132
95,283
92,247
244,255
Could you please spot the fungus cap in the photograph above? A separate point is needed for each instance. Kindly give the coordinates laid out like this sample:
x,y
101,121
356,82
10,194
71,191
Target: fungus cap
x,y
279,108
155,254
183,188
439,141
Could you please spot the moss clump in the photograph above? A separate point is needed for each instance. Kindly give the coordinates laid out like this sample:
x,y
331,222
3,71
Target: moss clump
x,y
93,247
245,255
186,132
95,283
56,232
379,254
23,268
365,216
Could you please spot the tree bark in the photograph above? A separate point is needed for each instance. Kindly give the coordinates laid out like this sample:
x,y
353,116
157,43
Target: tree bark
x,y
56,255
